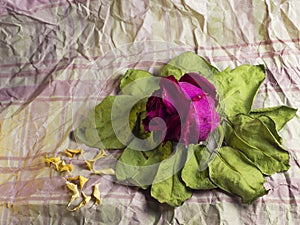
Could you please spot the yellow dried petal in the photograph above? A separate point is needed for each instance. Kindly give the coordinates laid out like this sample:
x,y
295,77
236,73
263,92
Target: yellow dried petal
x,y
61,166
75,193
72,178
69,155
72,152
82,180
96,194
85,201
108,171
90,164
101,154
52,160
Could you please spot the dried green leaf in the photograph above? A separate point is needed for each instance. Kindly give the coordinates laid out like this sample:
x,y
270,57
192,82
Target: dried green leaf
x,y
111,124
139,167
231,171
195,171
139,83
252,137
237,88
188,62
279,114
167,186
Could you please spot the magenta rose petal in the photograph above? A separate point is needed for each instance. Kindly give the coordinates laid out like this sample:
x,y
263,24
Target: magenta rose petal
x,y
208,118
155,107
188,112
215,121
172,95
190,133
201,82
173,128
191,91
202,113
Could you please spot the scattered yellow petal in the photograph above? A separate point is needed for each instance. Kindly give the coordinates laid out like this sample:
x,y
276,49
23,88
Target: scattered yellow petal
x,y
100,155
9,205
108,171
52,160
61,166
72,152
72,178
73,187
85,201
96,194
82,180
90,164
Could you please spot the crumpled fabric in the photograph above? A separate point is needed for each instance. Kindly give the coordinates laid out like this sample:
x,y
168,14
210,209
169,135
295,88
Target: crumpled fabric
x,y
60,58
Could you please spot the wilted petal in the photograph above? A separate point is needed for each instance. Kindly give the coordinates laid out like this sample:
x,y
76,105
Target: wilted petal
x,y
173,128
155,107
101,154
201,82
75,193
96,194
207,117
72,152
191,91
51,160
172,95
108,171
81,179
215,118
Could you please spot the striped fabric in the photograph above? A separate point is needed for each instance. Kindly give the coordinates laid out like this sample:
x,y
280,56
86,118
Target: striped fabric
x,y
59,58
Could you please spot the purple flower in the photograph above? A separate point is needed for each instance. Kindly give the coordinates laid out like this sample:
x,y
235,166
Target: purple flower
x,y
187,107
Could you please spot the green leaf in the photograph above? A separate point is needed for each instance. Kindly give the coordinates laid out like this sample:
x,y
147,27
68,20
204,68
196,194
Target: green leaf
x,y
167,186
258,143
238,88
269,123
195,171
188,62
87,133
231,171
279,114
138,167
103,120
111,124
139,83
137,114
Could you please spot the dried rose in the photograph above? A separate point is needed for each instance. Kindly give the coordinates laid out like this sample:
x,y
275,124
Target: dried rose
x,y
187,106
